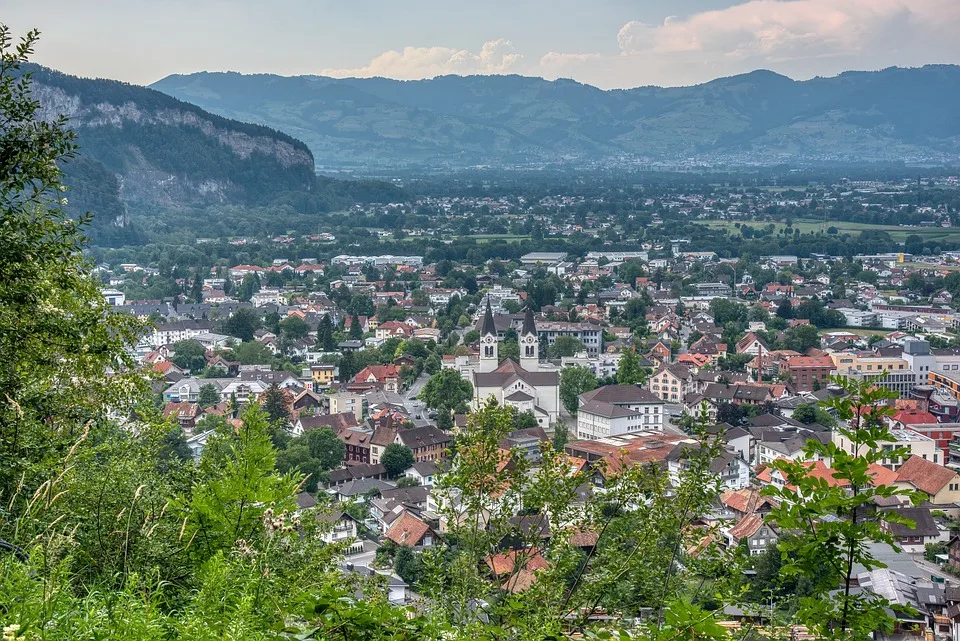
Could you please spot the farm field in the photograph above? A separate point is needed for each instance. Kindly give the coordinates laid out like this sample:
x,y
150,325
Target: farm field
x,y
806,226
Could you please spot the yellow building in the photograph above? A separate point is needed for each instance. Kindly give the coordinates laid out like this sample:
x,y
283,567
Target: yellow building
x,y
866,363
323,376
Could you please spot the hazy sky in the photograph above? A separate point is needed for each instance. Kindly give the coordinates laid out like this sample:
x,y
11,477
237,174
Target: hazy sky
x,y
608,43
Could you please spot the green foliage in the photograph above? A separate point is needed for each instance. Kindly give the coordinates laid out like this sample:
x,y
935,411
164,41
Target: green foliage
x,y
208,395
800,338
447,392
629,371
396,458
253,353
243,322
846,521
275,404
574,381
64,359
565,346
189,355
813,413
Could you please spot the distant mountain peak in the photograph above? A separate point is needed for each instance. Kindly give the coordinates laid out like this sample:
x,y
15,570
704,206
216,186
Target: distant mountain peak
x,y
458,121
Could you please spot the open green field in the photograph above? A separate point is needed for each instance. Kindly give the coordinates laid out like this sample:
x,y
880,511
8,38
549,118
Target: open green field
x,y
949,268
806,226
859,331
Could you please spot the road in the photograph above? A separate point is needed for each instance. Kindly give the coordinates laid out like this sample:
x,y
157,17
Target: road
x,y
413,406
926,566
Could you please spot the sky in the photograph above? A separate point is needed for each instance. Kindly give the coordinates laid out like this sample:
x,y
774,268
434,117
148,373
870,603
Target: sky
x,y
606,43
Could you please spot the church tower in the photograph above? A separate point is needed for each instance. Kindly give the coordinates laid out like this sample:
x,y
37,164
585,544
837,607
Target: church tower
x,y
489,359
529,343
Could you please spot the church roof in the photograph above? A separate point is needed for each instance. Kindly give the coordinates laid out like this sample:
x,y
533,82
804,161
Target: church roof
x,y
529,325
517,397
488,326
509,371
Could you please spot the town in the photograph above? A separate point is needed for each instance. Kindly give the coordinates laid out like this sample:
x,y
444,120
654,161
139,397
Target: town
x,y
372,364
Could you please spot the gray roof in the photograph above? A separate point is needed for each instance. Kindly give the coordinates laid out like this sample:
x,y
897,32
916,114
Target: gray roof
x,y
923,523
362,486
607,410
620,395
510,371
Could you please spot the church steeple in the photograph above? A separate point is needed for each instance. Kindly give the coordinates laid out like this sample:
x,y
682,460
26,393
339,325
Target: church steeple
x,y
529,343
489,358
529,324
488,326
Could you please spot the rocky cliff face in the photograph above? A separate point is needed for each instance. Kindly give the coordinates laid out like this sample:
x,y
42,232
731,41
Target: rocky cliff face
x,y
167,152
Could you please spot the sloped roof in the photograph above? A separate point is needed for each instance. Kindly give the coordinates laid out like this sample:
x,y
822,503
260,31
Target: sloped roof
x,y
509,371
407,530
606,410
488,327
747,527
925,475
506,562
620,395
923,523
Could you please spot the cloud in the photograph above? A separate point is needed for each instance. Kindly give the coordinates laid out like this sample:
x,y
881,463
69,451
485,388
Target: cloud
x,y
799,38
494,57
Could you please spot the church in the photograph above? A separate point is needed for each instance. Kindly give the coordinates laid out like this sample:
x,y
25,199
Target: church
x,y
527,385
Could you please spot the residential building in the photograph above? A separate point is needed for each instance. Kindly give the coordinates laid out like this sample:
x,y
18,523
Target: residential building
x,y
917,445
618,409
808,373
671,383
941,485
323,376
348,403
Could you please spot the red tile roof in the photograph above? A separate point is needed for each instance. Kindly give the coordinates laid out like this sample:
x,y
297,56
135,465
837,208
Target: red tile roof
x,y
913,417
925,475
506,562
407,530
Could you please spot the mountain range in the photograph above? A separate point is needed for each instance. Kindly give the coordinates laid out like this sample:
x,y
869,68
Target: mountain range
x,y
141,149
141,152
458,121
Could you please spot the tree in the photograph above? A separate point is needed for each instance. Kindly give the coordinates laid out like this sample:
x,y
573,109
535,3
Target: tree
x,y
356,331
726,311
253,353
509,347
63,346
574,381
189,355
208,396
565,346
325,337
276,405
249,286
846,520
629,371
729,413
785,309
408,565
196,289
396,458
242,323
800,338
325,447
446,391
407,481
294,328
808,413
